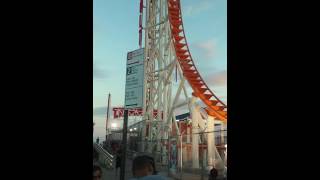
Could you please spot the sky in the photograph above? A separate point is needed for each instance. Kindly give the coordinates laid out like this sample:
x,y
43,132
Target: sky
x,y
115,32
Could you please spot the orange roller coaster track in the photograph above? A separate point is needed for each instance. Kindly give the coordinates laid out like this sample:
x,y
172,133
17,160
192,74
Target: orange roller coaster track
x,y
215,107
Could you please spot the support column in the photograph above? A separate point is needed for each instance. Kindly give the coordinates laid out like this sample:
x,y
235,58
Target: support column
x,y
211,142
222,139
180,153
188,134
195,138
226,156
204,156
184,155
143,138
222,133
164,156
158,150
150,139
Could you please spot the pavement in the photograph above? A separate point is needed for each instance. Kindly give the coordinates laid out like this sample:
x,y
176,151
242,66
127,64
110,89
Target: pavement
x,y
110,174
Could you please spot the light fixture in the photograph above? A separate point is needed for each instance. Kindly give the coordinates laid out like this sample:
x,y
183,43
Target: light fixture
x,y
113,125
135,128
130,130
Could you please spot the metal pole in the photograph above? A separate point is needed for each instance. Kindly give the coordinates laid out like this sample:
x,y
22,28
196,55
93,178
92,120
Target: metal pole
x,y
202,167
169,153
109,99
181,156
140,23
124,145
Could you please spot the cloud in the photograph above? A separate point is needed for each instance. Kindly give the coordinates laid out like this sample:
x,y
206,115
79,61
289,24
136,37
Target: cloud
x,y
207,48
198,7
100,111
98,73
217,78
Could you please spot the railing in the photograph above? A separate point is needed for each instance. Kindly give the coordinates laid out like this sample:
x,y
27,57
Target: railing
x,y
105,158
219,140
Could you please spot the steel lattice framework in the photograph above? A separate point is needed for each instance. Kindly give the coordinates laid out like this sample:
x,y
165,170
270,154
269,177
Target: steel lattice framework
x,y
166,49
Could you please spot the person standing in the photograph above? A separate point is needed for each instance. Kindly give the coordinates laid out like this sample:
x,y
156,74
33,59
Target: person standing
x,y
97,172
143,168
118,160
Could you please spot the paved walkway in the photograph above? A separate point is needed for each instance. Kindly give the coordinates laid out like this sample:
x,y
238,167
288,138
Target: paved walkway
x,y
110,174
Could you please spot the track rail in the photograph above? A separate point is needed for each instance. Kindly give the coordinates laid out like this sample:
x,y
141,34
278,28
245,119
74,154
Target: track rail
x,y
215,107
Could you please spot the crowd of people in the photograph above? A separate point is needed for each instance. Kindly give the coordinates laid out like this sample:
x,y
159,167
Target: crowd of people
x,y
143,168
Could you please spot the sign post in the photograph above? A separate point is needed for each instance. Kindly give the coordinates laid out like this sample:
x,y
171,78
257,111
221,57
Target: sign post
x,y
124,145
133,96
107,120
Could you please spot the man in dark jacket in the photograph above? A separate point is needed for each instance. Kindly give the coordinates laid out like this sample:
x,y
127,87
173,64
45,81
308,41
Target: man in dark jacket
x,y
118,160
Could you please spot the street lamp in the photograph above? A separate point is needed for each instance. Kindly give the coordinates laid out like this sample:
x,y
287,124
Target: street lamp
x,y
113,125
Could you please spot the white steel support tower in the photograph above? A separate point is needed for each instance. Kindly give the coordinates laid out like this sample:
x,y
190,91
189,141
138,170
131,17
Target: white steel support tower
x,y
160,63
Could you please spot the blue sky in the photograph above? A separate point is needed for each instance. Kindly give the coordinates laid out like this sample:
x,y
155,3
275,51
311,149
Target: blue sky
x,y
115,32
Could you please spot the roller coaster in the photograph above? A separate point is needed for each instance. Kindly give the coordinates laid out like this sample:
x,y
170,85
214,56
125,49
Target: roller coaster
x,y
166,49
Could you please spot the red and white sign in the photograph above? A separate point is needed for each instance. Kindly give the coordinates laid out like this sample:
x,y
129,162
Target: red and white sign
x,y
118,112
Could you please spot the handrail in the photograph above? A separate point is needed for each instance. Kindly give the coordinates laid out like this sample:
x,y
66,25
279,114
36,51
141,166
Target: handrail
x,y
105,157
103,150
